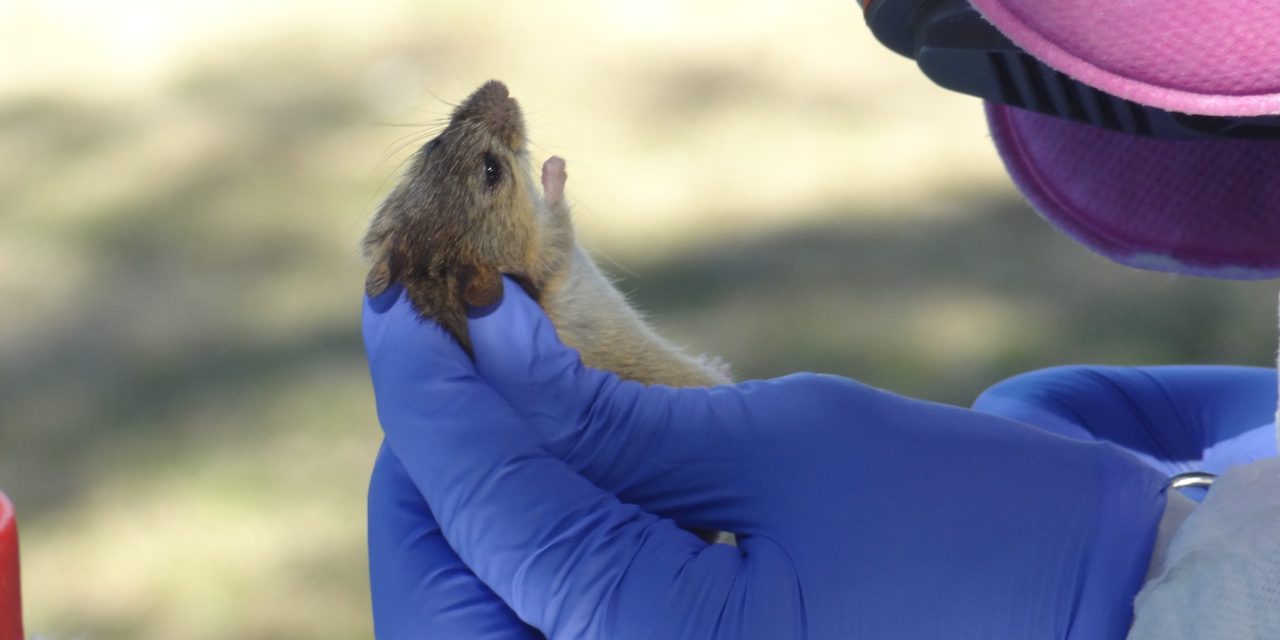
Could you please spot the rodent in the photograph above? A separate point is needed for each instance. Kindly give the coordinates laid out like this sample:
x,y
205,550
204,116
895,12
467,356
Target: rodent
x,y
467,211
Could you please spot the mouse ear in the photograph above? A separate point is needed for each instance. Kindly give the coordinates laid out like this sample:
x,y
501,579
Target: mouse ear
x,y
483,286
383,273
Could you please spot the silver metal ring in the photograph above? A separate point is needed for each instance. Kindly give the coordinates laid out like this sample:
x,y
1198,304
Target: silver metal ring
x,y
1192,479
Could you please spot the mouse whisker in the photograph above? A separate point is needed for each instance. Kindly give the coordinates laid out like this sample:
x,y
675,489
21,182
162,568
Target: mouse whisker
x,y
407,140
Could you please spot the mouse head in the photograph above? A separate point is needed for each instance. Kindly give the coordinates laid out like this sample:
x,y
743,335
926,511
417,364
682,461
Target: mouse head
x,y
465,210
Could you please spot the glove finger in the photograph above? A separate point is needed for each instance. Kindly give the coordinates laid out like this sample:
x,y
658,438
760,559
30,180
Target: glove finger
x,y
419,585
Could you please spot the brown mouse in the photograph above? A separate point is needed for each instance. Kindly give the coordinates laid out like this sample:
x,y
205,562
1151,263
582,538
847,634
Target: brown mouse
x,y
468,210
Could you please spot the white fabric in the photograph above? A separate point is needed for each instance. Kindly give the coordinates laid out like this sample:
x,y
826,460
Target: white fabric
x,y
1221,576
1176,511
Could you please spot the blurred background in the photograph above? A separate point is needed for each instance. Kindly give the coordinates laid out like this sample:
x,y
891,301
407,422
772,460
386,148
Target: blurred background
x,y
186,424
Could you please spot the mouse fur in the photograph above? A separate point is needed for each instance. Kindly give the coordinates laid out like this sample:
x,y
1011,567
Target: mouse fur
x,y
468,210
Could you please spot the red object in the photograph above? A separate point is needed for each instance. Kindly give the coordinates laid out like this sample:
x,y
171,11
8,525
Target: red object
x,y
10,591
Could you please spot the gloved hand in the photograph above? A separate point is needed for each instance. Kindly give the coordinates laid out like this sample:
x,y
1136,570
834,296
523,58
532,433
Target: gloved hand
x,y
859,513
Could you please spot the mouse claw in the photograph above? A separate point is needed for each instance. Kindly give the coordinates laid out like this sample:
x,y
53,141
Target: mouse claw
x,y
553,179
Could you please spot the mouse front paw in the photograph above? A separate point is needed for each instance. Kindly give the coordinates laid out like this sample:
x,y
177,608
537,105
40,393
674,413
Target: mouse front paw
x,y
553,179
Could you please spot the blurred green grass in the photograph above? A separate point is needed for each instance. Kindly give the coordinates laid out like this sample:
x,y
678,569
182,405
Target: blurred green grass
x,y
186,426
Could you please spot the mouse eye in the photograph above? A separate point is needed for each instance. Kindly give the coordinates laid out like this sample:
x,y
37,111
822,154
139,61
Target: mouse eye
x,y
492,171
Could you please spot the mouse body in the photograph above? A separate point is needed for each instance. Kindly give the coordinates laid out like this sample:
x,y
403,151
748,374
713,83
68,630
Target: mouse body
x,y
469,210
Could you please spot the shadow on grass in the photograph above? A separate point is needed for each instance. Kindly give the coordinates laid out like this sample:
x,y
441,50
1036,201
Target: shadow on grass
x,y
180,273
945,307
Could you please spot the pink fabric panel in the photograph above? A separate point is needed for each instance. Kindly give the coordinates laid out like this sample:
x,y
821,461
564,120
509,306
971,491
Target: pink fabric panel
x,y
1211,57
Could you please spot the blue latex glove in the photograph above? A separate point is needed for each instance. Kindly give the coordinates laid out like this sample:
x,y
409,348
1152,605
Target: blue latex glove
x,y
419,586
1174,418
860,514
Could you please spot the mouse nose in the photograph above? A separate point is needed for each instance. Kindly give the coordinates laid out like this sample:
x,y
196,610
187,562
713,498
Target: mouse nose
x,y
493,90
493,105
